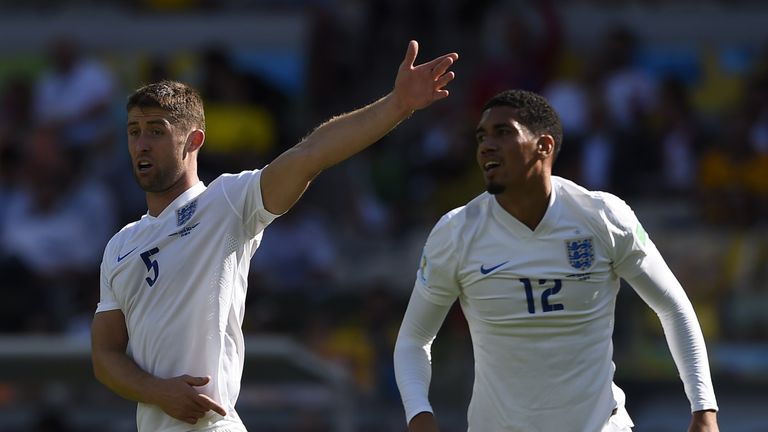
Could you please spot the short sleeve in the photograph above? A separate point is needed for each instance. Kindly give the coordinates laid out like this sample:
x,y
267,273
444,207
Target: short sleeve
x,y
243,194
631,243
436,277
107,300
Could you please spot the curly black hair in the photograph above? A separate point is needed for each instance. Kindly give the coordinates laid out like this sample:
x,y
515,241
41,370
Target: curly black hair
x,y
533,111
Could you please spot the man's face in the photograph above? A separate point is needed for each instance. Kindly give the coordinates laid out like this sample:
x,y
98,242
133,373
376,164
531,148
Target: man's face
x,y
506,149
157,149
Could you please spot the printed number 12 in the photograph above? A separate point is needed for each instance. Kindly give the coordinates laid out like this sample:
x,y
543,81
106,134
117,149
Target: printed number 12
x,y
545,305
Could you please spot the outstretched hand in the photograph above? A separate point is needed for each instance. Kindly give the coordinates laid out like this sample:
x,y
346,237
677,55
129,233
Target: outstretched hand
x,y
417,86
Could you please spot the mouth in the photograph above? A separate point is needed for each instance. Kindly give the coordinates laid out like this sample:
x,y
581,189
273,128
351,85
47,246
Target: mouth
x,y
490,166
143,166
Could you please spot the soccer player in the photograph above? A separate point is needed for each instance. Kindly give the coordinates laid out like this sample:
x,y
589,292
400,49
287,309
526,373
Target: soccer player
x,y
167,330
535,263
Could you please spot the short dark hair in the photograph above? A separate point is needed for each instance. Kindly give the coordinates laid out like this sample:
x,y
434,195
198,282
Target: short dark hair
x,y
533,111
182,102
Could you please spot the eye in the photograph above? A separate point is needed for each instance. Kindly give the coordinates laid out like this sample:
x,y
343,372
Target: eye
x,y
157,132
479,138
133,132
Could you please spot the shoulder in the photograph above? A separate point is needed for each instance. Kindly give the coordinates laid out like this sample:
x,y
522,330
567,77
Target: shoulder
x,y
458,223
595,203
119,239
596,207
461,217
229,181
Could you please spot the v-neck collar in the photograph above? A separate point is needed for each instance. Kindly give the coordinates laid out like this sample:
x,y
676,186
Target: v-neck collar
x,y
180,200
547,223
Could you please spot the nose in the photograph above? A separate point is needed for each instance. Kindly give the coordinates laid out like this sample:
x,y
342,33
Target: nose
x,y
487,145
142,143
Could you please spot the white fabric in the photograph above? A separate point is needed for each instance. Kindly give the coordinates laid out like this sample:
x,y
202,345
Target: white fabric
x,y
541,327
182,289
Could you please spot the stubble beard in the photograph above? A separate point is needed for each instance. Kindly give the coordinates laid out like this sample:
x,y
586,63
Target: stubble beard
x,y
495,188
160,182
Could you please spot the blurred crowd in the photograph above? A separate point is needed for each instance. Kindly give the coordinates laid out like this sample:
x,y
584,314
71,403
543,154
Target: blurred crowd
x,y
681,134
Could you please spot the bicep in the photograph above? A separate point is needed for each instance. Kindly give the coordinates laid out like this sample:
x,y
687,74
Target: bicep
x,y
284,180
423,318
655,283
109,332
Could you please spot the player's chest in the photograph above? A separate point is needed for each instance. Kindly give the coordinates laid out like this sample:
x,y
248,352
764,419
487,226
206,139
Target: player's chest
x,y
163,255
565,273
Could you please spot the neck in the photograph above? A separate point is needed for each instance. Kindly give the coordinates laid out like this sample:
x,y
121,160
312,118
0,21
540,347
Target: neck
x,y
527,203
158,201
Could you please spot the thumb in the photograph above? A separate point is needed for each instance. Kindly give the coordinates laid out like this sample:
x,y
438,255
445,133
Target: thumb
x,y
410,54
197,381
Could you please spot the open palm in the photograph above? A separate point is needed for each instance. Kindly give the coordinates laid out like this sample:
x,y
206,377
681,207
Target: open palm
x,y
417,86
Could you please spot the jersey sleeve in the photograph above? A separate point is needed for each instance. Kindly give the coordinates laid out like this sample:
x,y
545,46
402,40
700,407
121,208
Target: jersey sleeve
x,y
107,300
243,194
434,292
637,260
436,277
629,241
659,288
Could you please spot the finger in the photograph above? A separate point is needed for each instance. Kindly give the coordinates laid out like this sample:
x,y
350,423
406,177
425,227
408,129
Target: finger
x,y
190,420
410,54
445,79
440,94
196,381
441,67
211,404
434,62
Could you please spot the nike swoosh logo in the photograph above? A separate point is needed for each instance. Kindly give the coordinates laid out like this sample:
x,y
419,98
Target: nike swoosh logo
x,y
484,270
120,258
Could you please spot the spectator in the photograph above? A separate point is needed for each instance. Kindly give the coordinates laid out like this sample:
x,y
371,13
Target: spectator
x,y
55,226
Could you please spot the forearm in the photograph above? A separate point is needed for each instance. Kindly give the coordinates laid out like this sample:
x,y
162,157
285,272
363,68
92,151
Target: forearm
x,y
416,86
288,176
345,135
123,376
662,292
413,369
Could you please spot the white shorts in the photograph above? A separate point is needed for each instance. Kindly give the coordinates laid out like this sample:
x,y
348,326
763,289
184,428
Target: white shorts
x,y
619,422
225,428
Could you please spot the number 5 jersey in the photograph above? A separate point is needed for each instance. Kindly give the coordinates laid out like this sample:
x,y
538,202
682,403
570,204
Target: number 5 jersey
x,y
180,279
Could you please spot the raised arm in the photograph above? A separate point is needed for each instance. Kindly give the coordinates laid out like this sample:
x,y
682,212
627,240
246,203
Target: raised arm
x,y
176,396
416,86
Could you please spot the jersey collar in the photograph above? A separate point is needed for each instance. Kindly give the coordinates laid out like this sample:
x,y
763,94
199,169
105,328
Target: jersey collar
x,y
182,199
548,222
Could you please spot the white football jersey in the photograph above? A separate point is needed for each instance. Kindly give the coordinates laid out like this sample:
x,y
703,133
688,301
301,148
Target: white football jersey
x,y
539,305
180,279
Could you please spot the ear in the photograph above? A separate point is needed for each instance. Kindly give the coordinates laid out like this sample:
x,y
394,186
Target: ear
x,y
545,146
195,140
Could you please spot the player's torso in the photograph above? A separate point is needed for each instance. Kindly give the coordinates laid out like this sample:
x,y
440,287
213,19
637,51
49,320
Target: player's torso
x,y
541,280
171,273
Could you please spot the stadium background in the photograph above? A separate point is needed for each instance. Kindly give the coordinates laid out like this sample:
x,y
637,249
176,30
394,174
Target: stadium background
x,y
664,103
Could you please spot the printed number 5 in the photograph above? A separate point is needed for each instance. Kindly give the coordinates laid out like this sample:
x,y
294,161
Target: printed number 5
x,y
151,265
545,305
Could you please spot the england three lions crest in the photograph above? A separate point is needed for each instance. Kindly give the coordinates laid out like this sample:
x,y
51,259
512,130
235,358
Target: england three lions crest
x,y
581,253
185,213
